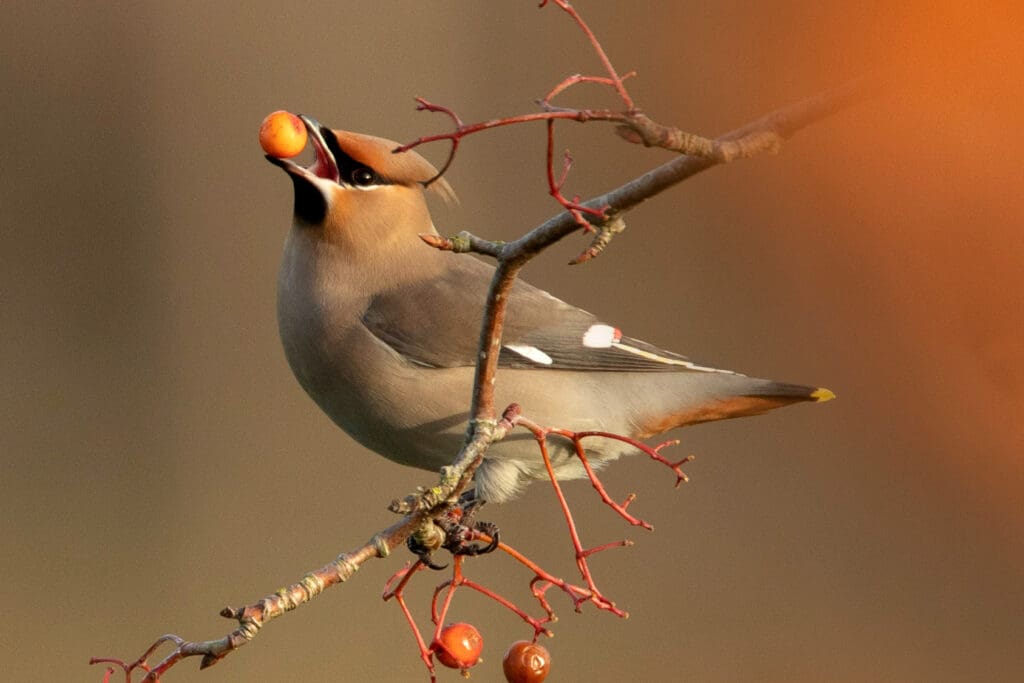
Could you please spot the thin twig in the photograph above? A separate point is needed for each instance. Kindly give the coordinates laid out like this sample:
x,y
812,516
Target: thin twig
x,y
607,63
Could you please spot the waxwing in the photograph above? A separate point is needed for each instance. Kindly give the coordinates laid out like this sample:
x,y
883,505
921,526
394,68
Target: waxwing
x,y
381,331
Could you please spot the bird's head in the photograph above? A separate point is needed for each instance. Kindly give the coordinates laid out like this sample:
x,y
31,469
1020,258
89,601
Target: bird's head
x,y
358,194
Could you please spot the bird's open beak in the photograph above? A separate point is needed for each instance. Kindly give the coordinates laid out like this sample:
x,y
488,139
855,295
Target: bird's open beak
x,y
323,166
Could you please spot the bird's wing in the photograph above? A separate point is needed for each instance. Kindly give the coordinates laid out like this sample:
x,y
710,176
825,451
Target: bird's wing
x,y
438,325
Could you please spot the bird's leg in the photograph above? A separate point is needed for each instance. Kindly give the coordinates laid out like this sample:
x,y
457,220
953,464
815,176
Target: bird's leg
x,y
490,529
454,531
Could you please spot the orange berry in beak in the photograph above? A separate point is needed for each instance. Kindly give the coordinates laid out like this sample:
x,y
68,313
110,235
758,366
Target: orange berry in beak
x,y
282,135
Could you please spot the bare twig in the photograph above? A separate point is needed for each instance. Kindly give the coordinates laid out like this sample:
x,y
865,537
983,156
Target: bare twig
x,y
462,130
576,79
613,75
575,209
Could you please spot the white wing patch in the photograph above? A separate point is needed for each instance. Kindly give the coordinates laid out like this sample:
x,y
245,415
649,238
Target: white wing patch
x,y
601,336
670,361
530,353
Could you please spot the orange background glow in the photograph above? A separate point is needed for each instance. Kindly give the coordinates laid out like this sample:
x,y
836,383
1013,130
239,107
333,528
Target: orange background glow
x,y
159,461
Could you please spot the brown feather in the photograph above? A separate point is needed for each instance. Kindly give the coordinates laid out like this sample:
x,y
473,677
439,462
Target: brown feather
x,y
720,409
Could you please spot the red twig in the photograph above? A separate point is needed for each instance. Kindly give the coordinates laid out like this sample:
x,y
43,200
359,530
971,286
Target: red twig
x,y
537,625
125,667
581,553
152,674
461,130
555,185
613,76
619,508
550,114
398,594
452,584
576,79
577,594
654,452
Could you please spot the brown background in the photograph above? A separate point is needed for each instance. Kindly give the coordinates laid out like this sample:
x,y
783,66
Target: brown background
x,y
159,461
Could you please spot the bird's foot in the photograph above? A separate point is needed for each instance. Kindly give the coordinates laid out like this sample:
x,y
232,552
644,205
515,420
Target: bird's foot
x,y
462,539
456,532
425,540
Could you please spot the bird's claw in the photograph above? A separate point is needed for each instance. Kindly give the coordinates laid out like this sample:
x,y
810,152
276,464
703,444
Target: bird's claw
x,y
455,532
460,539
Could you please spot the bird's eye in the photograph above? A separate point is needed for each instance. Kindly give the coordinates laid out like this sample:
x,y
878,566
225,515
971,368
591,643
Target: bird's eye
x,y
362,176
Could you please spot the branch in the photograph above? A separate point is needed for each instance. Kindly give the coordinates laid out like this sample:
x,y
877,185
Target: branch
x,y
781,124
418,510
252,618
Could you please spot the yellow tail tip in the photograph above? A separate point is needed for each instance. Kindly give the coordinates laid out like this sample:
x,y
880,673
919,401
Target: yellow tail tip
x,y
821,395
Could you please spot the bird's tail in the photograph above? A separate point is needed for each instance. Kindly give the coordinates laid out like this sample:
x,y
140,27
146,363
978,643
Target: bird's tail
x,y
725,396
794,392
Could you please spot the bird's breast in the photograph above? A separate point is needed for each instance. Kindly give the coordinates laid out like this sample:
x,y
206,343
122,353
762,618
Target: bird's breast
x,y
360,382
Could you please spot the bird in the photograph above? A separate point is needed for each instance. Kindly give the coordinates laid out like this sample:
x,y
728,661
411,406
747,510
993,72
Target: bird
x,y
381,331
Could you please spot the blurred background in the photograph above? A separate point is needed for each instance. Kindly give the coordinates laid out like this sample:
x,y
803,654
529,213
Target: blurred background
x,y
159,461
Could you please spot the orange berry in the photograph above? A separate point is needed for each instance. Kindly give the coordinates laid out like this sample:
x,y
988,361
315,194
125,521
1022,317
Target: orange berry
x,y
282,135
526,662
458,646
